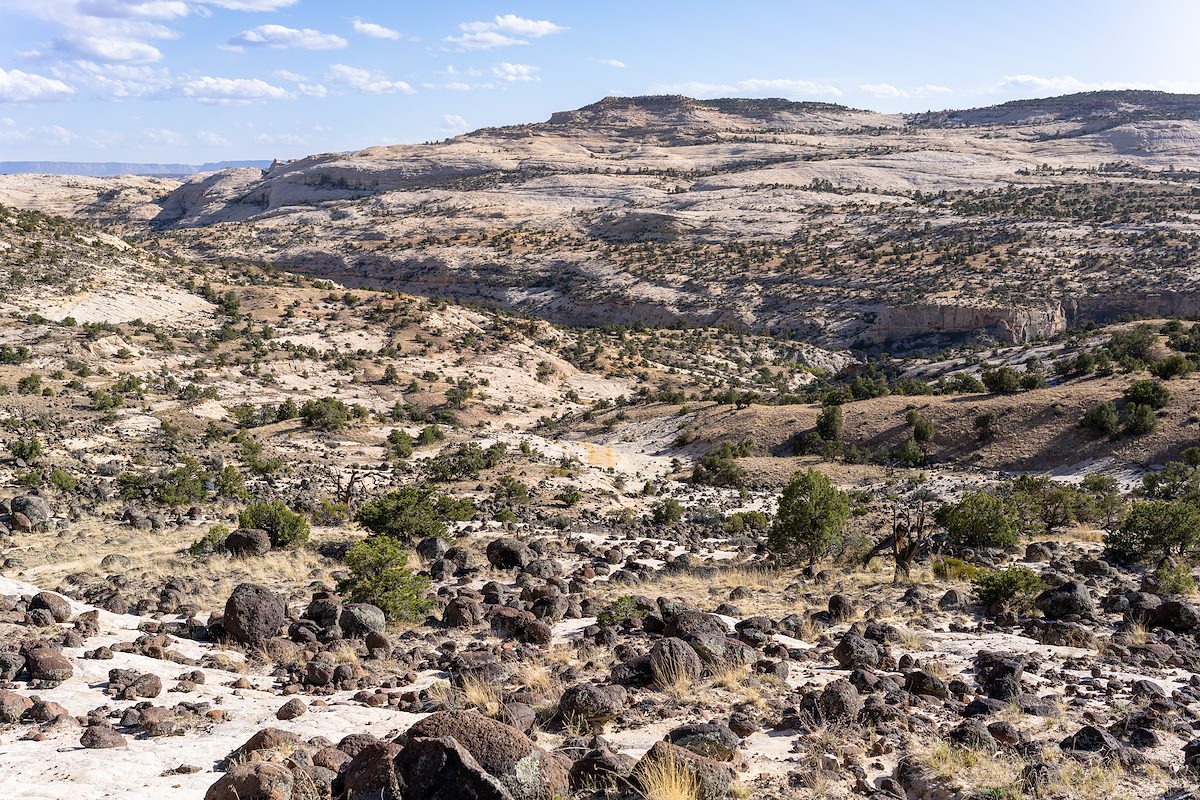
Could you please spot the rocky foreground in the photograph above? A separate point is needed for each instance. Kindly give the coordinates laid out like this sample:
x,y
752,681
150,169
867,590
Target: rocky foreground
x,y
567,664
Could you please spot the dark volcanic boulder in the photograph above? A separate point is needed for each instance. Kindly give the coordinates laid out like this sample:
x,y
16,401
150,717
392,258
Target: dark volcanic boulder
x,y
443,769
853,651
57,605
711,740
47,666
1176,616
526,771
673,661
359,619
593,704
258,780
247,542
33,508
840,702
509,554
253,614
1069,599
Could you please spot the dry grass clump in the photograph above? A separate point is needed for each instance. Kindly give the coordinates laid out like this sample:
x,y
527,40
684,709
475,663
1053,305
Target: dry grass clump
x,y
667,779
486,697
672,675
971,767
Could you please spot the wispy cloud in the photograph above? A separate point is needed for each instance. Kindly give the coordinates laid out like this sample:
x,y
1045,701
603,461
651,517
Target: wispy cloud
x,y
454,124
888,90
374,31
364,80
785,87
609,62
505,30
281,36
252,5
19,87
210,138
232,91
1066,84
516,72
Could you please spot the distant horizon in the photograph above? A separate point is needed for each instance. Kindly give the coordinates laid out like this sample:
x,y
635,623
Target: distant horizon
x,y
169,81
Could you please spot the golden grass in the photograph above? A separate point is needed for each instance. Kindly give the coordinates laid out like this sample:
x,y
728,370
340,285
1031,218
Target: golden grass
x,y
487,697
667,779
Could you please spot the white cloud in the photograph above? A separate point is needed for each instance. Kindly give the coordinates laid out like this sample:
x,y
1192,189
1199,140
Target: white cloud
x,y
280,36
610,62
515,72
312,90
116,80
888,90
374,31
364,80
457,86
143,9
161,136
45,134
511,23
210,138
288,75
109,49
19,87
1034,85
280,138
502,32
454,123
252,5
785,87
232,91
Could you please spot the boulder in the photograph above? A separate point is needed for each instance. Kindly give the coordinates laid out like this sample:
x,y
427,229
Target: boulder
x,y
58,606
593,704
248,542
255,780
708,739
524,770
1176,616
1069,599
359,619
672,660
714,780
509,554
854,651
253,614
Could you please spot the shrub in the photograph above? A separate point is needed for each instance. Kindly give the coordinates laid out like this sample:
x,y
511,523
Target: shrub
x,y
63,480
412,513
209,543
985,424
399,444
1014,587
1174,578
979,519
954,569
1173,366
718,466
910,453
326,413
623,609
666,512
1155,530
1148,393
812,516
1140,419
285,527
1001,380
829,423
922,426
231,484
1132,346
28,449
1101,419
379,575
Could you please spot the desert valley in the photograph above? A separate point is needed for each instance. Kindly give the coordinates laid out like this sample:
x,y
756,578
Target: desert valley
x,y
670,448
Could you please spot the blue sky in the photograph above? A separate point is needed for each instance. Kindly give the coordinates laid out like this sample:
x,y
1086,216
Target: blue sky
x,y
203,80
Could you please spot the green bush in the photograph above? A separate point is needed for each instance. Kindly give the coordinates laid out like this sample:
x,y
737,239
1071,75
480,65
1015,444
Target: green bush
x,y
1148,393
1101,419
326,413
28,449
63,480
718,466
209,543
1174,578
1001,380
1156,530
949,568
1014,587
922,426
985,424
811,518
666,512
379,575
910,453
399,444
829,423
412,513
1140,419
285,527
621,610
979,519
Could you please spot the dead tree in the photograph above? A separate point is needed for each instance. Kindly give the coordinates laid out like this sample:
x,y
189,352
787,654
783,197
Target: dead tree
x,y
909,538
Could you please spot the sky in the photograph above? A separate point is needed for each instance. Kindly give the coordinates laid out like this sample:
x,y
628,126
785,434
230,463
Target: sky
x,y
194,81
